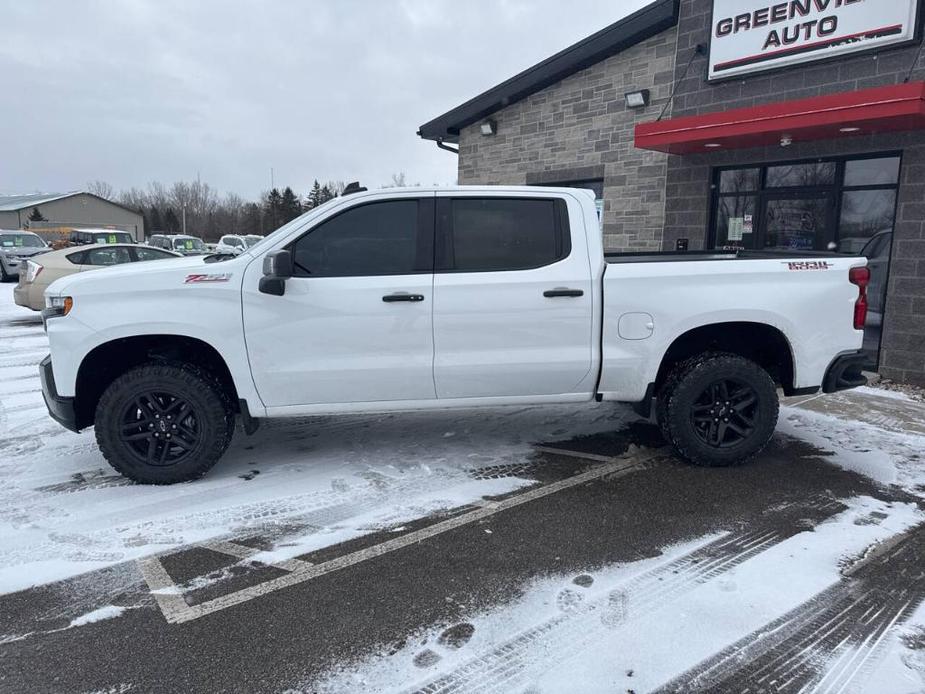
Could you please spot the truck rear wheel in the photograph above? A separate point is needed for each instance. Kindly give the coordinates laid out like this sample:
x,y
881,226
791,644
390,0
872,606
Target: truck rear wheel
x,y
718,409
164,423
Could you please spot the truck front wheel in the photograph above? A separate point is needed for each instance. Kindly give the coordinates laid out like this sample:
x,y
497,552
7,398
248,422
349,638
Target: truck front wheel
x,y
164,423
718,409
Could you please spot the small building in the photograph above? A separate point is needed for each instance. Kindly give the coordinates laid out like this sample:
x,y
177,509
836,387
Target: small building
x,y
61,212
747,124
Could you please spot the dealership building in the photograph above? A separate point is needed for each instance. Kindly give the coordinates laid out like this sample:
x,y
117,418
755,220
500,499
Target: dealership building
x,y
747,124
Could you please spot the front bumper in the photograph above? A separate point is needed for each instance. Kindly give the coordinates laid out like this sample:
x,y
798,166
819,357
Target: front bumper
x,y
61,409
845,373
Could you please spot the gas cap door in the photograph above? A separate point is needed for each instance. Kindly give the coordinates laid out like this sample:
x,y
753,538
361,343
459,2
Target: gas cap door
x,y
636,326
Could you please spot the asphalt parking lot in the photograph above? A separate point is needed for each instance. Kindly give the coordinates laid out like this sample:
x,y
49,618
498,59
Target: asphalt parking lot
x,y
535,550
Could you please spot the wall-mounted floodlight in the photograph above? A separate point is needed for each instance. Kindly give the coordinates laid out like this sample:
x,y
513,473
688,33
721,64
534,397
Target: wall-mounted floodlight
x,y
637,99
489,127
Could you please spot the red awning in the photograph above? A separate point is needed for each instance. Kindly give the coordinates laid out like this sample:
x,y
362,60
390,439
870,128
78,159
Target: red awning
x,y
883,109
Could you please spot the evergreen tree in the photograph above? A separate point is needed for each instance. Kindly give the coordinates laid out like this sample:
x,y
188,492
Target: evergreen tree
x,y
36,216
314,197
273,209
171,221
326,194
291,205
251,221
154,214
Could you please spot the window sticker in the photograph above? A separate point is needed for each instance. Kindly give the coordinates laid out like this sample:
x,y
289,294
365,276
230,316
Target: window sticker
x,y
736,228
112,238
189,245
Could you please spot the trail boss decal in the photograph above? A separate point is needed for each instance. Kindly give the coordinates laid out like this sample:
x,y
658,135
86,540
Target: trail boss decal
x,y
749,36
214,277
809,265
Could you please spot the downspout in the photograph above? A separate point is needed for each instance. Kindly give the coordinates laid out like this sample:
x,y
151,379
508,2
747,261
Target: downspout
x,y
445,146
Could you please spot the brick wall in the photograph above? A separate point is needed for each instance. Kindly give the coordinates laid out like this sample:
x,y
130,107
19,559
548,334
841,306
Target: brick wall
x,y
689,177
580,128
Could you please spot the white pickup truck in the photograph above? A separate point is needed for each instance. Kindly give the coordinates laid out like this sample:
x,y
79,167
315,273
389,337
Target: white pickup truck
x,y
409,299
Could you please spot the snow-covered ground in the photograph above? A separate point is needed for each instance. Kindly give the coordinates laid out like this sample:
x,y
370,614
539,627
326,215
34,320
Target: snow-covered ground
x,y
64,511
317,482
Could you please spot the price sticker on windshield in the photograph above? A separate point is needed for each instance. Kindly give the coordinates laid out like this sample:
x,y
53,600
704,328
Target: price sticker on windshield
x,y
189,245
112,238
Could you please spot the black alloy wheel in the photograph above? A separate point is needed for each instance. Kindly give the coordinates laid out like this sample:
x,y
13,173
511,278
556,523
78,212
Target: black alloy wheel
x,y
160,428
726,413
163,422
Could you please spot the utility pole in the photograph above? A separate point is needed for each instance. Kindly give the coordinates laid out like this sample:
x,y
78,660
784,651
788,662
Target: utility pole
x,y
272,182
184,220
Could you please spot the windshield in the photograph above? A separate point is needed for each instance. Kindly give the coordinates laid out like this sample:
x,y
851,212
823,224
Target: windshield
x,y
252,240
188,244
113,237
21,241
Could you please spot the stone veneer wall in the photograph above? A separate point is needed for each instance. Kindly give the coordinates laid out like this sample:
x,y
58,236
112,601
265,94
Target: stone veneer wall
x,y
580,128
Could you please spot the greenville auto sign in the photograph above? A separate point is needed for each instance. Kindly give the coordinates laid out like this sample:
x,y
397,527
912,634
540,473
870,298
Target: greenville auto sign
x,y
753,35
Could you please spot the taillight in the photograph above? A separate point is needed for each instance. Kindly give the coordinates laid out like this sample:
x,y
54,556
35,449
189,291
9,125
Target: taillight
x,y
860,276
32,271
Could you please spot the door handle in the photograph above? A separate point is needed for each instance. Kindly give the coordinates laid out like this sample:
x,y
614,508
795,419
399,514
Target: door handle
x,y
562,291
402,296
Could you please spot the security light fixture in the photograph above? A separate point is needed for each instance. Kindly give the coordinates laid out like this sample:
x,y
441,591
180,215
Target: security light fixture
x,y
638,99
786,140
849,129
489,127
712,145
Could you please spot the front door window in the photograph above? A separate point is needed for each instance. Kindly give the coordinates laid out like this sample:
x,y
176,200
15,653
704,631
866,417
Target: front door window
x,y
798,223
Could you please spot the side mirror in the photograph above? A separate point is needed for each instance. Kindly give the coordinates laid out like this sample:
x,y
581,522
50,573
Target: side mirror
x,y
277,268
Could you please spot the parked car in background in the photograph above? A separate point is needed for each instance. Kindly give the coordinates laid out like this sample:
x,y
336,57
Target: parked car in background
x,y
181,243
38,273
88,237
235,244
15,248
877,252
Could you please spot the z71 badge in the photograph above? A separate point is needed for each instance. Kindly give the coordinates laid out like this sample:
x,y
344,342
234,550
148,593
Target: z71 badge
x,y
214,277
809,265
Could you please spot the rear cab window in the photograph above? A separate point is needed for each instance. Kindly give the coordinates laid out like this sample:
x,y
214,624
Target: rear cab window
x,y
495,234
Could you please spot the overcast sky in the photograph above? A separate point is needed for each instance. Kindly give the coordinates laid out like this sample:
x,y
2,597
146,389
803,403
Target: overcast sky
x,y
133,91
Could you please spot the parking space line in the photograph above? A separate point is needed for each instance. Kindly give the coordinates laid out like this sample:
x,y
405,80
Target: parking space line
x,y
175,613
164,590
234,549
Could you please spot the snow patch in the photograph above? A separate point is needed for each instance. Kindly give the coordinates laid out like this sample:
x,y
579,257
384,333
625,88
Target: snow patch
x,y
98,615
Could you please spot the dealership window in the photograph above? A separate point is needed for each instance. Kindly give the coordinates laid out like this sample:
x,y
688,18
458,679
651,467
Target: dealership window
x,y
837,204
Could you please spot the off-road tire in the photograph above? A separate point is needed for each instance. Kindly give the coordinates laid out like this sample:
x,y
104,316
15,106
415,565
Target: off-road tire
x,y
686,385
209,405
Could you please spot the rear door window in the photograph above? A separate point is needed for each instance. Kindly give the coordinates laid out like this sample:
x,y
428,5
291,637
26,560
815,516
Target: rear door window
x,y
151,254
107,256
498,234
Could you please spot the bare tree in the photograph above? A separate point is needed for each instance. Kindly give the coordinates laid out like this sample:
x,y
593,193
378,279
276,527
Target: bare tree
x,y
102,189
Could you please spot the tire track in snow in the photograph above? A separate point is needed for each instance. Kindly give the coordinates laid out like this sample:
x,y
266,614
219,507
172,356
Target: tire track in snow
x,y
830,643
526,656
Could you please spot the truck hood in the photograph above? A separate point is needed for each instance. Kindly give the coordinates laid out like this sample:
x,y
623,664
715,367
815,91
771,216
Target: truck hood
x,y
166,273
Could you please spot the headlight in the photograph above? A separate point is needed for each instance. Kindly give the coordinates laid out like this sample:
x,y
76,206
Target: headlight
x,y
57,306
32,271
